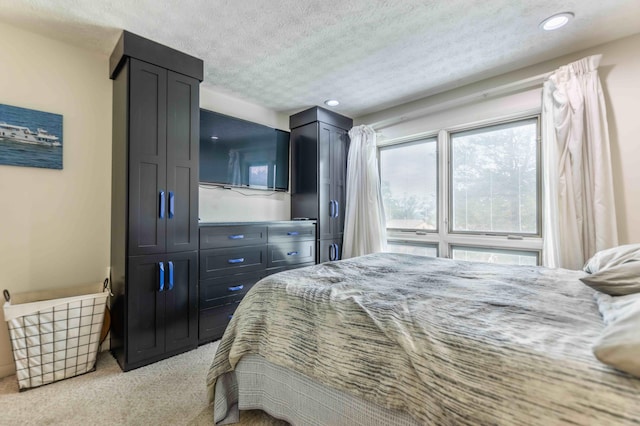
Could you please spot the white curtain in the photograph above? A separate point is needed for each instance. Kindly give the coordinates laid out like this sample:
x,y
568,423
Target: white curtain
x,y
579,209
365,226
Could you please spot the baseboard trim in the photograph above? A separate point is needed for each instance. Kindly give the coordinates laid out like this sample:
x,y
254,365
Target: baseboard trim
x,y
7,370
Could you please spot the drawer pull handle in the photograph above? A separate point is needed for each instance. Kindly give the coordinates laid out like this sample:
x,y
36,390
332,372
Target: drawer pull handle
x,y
236,288
230,316
292,253
172,205
293,233
170,275
236,237
161,207
238,260
161,280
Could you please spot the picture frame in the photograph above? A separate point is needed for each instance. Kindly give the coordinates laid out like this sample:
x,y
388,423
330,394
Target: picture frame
x,y
30,138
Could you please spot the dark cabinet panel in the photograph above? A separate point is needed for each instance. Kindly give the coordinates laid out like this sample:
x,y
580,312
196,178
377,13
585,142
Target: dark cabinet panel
x,y
291,253
163,170
181,304
329,250
288,233
162,301
145,302
226,261
228,289
333,145
147,158
232,236
214,321
182,162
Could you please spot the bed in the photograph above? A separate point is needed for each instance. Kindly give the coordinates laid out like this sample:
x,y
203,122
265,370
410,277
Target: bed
x,y
405,340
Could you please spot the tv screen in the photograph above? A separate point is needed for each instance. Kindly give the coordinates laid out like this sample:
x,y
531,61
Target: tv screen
x,y
235,152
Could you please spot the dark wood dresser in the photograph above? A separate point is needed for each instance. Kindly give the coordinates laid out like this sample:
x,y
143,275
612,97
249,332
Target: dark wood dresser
x,y
235,256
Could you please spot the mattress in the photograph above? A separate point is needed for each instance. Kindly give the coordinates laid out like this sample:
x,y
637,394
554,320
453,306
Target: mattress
x,y
447,342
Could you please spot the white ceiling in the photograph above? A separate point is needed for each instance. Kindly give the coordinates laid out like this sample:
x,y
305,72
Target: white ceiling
x,y
370,54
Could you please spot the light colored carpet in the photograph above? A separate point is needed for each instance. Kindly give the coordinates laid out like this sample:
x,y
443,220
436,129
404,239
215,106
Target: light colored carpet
x,y
169,392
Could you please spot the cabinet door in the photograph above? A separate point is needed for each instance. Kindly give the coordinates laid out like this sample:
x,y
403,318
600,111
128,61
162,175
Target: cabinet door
x,y
325,176
332,175
145,307
182,162
339,152
181,301
329,250
304,176
147,158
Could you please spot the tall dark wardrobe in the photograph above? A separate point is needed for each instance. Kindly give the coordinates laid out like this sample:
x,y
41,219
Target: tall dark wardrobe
x,y
319,147
154,199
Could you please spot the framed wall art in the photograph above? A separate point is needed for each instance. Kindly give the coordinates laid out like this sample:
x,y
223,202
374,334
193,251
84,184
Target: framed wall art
x,y
30,138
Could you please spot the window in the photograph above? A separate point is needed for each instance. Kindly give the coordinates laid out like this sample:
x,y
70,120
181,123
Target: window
x,y
494,179
408,180
411,247
508,257
468,193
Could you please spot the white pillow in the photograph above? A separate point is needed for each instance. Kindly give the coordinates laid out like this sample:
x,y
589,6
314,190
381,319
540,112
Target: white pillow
x,y
614,256
617,280
619,343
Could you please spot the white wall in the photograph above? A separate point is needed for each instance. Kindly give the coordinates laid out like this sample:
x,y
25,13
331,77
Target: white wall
x,y
55,224
242,205
620,75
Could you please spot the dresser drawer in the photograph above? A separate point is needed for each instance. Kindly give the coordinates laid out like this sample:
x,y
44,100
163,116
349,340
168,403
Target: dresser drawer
x,y
227,289
291,233
232,236
228,261
214,321
291,253
275,270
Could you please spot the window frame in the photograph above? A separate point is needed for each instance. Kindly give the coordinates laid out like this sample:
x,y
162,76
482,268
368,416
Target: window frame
x,y
449,188
537,253
445,238
412,140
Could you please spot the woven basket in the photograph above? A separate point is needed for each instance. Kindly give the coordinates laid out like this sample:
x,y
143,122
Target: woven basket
x,y
54,339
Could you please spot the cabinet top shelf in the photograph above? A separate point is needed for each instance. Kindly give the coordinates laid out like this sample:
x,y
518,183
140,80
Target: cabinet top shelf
x,y
133,46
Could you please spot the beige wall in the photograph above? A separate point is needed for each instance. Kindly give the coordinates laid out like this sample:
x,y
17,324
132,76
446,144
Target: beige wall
x,y
619,72
54,224
224,205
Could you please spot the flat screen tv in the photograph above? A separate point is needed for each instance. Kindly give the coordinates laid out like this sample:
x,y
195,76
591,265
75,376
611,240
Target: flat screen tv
x,y
239,153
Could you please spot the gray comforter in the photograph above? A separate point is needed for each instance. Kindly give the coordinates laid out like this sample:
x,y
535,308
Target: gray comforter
x,y
449,342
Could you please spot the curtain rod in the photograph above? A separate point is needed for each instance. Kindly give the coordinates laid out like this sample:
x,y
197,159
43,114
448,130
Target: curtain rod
x,y
463,100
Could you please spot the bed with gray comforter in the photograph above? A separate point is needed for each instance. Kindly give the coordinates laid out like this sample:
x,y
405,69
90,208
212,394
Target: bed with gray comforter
x,y
449,342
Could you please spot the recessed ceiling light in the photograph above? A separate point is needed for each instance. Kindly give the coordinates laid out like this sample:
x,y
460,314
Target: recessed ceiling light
x,y
556,21
214,138
331,102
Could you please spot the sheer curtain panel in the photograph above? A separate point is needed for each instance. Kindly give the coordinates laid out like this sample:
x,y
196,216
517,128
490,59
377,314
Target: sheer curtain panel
x,y
579,210
365,225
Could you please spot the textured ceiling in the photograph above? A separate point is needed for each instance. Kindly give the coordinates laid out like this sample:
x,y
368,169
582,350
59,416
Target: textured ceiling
x,y
370,54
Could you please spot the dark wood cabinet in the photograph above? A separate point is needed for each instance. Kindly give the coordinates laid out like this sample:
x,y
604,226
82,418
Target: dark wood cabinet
x,y
319,148
162,306
329,250
235,256
163,161
154,229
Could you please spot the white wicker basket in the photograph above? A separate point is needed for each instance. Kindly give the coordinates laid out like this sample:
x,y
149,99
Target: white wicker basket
x,y
55,339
